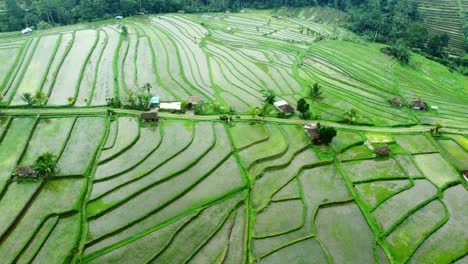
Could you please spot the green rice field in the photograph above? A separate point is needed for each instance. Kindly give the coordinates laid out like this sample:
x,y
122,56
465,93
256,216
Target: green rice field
x,y
195,189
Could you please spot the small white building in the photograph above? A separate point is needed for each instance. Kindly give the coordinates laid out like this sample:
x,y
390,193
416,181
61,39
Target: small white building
x,y
26,31
171,106
284,107
119,17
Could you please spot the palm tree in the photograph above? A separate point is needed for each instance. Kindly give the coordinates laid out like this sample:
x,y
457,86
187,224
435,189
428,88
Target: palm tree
x,y
71,100
28,98
351,115
254,111
40,98
314,92
438,125
268,95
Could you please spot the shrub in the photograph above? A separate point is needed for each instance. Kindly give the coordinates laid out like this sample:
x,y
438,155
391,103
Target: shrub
x,y
326,134
46,164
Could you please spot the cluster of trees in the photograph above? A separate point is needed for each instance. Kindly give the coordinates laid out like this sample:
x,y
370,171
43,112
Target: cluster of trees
x,y
18,14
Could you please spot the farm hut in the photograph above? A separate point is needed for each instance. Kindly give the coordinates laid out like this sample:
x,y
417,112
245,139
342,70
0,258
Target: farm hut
x,y
151,116
26,31
397,101
25,173
419,105
119,17
154,102
284,107
313,130
174,106
181,12
465,175
191,101
228,30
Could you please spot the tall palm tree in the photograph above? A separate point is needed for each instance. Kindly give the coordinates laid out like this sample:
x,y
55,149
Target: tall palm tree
x,y
268,96
351,115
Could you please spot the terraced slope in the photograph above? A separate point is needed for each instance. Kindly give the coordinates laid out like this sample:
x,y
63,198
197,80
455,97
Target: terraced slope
x,y
445,16
203,192
229,59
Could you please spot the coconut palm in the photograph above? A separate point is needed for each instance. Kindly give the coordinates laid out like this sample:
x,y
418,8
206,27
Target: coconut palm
x,y
268,95
40,98
314,92
27,98
351,115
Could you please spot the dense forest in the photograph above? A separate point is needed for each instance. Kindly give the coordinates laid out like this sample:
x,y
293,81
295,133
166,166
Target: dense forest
x,y
396,22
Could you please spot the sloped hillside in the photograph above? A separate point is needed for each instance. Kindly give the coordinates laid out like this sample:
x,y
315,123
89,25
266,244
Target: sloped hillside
x,y
445,16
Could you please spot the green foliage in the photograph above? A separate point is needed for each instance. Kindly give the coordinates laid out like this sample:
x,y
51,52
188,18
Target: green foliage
x,y
27,98
254,111
124,32
46,164
303,107
436,45
71,100
351,115
137,100
40,98
114,102
268,96
400,52
265,110
314,92
326,134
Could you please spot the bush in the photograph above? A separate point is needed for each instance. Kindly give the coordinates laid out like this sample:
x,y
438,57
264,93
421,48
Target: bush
x,y
326,134
46,164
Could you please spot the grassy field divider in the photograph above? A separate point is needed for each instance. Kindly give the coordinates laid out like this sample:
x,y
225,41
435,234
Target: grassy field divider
x,y
115,67
181,68
86,193
21,74
22,213
6,85
122,64
83,67
155,67
370,220
167,178
123,150
213,233
93,85
14,67
143,159
62,149
168,203
429,234
140,175
41,243
59,66
116,122
5,129
167,222
304,211
49,64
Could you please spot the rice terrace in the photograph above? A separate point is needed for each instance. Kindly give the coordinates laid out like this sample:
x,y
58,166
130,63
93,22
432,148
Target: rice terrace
x,y
250,136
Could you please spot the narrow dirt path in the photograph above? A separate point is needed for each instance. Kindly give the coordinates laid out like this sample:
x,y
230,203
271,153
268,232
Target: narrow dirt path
x,y
243,118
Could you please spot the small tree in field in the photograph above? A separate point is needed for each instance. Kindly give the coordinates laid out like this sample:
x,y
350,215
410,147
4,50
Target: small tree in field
x,y
437,126
314,92
254,111
124,31
326,134
71,100
351,115
40,98
46,164
268,96
303,107
27,98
